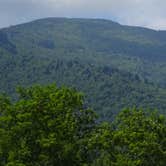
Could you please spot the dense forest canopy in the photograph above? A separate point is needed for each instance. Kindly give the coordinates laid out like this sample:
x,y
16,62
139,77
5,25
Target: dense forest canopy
x,y
113,114
115,66
49,126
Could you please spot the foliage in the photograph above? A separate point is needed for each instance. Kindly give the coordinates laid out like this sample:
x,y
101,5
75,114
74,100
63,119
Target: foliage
x,y
115,66
50,126
43,127
139,138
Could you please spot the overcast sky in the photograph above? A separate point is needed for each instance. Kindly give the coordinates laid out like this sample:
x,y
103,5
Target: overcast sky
x,y
147,13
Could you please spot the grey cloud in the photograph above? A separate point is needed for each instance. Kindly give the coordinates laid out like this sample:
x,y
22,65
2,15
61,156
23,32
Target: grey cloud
x,y
148,13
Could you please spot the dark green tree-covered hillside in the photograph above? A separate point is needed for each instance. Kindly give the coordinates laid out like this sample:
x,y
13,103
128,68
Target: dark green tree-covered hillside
x,y
115,66
133,49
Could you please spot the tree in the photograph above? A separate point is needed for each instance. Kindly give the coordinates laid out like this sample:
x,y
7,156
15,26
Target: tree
x,y
49,126
96,148
140,138
43,127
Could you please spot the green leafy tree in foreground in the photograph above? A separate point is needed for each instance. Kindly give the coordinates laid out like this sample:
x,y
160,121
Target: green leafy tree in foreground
x,y
43,127
140,139
49,126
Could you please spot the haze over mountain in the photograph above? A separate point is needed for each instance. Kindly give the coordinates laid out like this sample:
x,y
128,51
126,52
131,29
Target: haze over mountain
x,y
149,13
115,66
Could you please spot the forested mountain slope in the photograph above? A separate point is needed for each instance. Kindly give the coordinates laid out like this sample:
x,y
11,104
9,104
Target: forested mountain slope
x,y
115,66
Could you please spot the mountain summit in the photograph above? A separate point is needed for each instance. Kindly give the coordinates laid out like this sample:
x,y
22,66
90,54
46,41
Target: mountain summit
x,y
114,65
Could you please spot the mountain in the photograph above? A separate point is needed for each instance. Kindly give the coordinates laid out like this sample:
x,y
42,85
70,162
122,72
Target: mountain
x,y
115,66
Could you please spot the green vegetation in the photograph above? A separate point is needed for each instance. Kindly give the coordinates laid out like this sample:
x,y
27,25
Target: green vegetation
x,y
49,126
115,66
